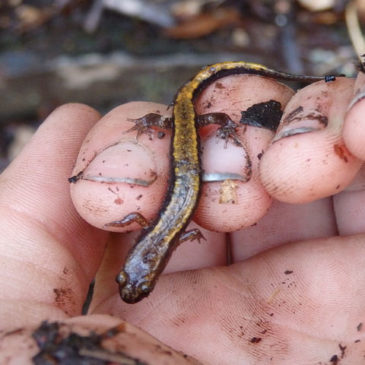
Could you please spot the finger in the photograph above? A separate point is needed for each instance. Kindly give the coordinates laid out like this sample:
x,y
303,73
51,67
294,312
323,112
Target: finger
x,y
109,153
349,205
353,130
282,306
247,201
308,159
233,205
44,241
86,340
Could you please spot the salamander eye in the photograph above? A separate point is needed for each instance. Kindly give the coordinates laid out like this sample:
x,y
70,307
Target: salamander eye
x,y
122,278
145,288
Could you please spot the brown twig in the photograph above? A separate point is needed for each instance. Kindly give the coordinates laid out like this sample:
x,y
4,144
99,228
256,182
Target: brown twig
x,y
354,30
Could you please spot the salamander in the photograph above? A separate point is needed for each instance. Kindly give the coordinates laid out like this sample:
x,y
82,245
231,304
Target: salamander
x,y
150,254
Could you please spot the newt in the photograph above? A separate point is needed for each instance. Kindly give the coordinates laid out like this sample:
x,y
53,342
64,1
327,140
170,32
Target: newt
x,y
150,254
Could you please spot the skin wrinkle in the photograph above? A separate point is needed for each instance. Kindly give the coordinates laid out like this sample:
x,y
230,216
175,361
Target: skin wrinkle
x,y
272,320
33,317
158,302
59,229
335,216
44,228
253,319
49,298
80,277
233,286
101,304
31,264
152,308
286,326
253,295
36,304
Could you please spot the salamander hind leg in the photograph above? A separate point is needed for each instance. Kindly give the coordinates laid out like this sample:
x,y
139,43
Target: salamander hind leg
x,y
193,234
227,129
144,124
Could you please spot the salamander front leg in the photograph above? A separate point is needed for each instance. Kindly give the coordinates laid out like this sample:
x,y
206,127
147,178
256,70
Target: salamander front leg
x,y
227,127
129,219
193,234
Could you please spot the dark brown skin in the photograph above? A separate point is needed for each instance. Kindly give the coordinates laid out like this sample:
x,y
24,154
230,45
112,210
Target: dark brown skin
x,y
149,256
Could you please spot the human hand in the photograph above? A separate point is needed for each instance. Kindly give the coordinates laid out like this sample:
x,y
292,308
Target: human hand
x,y
297,303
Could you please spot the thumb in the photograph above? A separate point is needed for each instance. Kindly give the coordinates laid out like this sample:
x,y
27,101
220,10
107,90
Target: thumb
x,y
43,270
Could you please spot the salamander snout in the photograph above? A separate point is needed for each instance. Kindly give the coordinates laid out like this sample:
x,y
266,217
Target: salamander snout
x,y
132,292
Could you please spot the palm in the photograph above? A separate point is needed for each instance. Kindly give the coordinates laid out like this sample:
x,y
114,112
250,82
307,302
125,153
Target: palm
x,y
291,304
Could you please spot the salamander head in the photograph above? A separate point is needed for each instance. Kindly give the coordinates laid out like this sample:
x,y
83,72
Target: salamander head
x,y
130,291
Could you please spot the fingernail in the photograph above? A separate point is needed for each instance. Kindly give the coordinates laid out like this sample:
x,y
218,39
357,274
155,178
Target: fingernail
x,y
221,162
300,121
359,88
356,99
124,162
